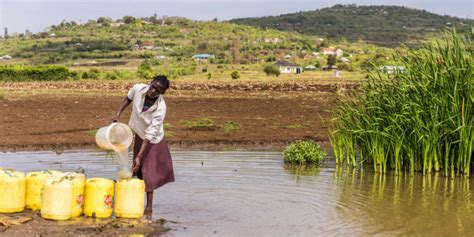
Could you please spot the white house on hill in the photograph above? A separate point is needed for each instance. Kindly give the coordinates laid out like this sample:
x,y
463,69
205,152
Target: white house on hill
x,y
287,67
332,51
390,69
203,57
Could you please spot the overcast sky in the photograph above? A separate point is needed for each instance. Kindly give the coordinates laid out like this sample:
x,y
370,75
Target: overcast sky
x,y
36,15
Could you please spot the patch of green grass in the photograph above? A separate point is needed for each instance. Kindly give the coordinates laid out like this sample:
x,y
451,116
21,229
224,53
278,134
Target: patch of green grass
x,y
91,132
230,126
199,124
167,125
2,97
295,126
169,134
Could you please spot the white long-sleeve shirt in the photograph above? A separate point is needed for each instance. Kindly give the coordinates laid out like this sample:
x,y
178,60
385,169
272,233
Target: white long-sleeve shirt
x,y
147,124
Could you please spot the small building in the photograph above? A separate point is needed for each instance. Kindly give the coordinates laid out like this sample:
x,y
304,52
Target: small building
x,y
287,67
319,42
203,57
332,51
272,40
329,67
147,44
344,60
6,57
390,69
116,24
161,57
310,68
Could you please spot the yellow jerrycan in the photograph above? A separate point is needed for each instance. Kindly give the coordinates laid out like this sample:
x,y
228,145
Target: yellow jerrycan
x,y
99,196
12,191
57,198
34,187
79,183
129,198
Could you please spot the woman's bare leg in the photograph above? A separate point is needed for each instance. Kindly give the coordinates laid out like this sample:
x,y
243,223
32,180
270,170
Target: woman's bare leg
x,y
149,203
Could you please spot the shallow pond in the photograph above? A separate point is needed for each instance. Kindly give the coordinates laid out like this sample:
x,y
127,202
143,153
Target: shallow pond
x,y
253,193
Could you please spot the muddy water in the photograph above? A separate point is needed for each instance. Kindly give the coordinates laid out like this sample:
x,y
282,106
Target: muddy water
x,y
124,170
254,194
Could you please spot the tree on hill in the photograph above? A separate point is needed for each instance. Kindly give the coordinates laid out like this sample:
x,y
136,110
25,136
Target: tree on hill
x,y
331,60
271,69
128,19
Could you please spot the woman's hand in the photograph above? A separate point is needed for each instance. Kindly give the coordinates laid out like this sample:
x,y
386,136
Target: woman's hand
x,y
116,118
126,101
142,153
136,164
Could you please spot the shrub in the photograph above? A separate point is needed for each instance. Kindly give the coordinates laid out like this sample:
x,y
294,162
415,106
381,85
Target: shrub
x,y
209,75
199,124
114,75
270,59
93,73
235,75
144,70
271,69
303,152
35,73
345,67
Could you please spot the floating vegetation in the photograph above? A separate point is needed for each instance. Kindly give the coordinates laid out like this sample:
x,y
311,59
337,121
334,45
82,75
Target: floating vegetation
x,y
303,152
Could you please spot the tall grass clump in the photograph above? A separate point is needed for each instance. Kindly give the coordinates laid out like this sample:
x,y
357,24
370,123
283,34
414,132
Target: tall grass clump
x,y
421,119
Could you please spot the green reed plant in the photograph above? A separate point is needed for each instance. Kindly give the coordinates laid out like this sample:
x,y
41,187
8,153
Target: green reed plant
x,y
421,119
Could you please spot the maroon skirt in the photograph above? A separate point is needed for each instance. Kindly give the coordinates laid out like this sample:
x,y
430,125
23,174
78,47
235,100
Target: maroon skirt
x,y
156,167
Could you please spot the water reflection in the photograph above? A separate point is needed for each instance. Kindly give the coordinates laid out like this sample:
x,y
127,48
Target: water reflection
x,y
302,170
404,204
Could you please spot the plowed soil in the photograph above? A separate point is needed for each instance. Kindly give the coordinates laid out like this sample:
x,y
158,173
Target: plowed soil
x,y
58,119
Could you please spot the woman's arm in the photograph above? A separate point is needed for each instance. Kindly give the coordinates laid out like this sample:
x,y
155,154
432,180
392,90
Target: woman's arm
x,y
126,101
141,153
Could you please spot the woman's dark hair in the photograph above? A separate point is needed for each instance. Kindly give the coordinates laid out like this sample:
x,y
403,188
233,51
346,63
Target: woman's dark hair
x,y
163,80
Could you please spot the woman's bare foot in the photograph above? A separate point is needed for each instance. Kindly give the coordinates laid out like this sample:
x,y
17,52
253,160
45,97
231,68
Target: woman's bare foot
x,y
148,211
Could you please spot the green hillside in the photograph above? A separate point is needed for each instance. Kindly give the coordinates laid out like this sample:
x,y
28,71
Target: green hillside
x,y
131,46
382,25
177,38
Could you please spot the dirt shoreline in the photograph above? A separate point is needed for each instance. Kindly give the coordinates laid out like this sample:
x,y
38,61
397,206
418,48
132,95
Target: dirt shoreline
x,y
30,223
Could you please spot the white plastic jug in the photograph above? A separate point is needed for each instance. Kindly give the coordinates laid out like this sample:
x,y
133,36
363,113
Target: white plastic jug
x,y
117,137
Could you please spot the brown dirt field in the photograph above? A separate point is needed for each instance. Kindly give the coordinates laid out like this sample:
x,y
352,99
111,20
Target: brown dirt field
x,y
34,119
